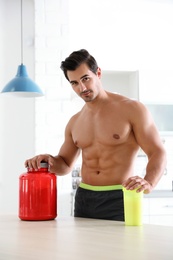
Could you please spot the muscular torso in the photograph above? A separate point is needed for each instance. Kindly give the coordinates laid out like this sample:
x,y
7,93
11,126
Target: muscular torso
x,y
107,141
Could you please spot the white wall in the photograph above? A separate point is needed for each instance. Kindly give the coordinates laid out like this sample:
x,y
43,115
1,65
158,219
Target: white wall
x,y
54,109
17,119
128,35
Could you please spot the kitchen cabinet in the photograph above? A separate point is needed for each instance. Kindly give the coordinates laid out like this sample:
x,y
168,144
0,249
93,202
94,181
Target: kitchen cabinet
x,y
125,83
148,86
161,114
158,211
161,206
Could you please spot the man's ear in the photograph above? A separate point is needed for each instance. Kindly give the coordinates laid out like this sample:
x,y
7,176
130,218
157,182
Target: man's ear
x,y
99,72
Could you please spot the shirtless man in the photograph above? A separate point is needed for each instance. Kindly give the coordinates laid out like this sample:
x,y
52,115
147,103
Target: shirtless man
x,y
108,131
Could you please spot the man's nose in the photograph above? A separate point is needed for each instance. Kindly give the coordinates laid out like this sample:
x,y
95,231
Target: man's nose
x,y
82,86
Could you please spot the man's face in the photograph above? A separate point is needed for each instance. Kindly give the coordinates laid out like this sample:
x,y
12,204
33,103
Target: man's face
x,y
84,82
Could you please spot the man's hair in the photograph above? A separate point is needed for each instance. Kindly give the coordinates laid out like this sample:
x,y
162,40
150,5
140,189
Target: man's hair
x,y
75,59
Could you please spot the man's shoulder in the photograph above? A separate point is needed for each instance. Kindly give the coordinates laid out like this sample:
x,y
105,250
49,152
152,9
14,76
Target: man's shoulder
x,y
128,104
75,117
119,99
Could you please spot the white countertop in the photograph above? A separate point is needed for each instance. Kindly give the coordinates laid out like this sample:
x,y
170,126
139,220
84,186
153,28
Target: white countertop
x,y
80,239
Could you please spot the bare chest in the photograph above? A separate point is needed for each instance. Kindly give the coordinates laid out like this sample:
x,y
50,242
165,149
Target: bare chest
x,y
106,130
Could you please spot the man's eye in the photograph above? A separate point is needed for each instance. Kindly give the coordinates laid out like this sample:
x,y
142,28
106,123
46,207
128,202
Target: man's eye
x,y
86,79
73,83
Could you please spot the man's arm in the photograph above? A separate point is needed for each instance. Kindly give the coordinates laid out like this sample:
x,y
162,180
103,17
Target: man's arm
x,y
64,161
148,138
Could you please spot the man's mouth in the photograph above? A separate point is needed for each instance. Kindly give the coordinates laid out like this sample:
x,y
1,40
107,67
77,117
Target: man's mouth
x,y
86,93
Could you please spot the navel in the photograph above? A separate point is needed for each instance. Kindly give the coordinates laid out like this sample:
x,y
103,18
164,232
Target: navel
x,y
116,136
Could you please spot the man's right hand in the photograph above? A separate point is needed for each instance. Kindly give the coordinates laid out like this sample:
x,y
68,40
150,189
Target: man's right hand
x,y
34,163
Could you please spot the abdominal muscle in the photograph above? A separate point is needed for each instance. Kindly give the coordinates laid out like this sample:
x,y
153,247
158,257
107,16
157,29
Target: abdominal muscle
x,y
105,167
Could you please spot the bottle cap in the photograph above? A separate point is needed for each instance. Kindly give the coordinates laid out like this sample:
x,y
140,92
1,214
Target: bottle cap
x,y
44,164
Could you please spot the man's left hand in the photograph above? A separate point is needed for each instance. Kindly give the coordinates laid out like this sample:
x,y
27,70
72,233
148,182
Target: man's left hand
x,y
137,183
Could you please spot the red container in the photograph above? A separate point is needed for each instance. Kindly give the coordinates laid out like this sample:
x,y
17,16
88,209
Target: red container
x,y
38,194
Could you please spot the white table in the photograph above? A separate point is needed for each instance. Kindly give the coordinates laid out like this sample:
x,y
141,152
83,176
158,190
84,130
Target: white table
x,y
80,239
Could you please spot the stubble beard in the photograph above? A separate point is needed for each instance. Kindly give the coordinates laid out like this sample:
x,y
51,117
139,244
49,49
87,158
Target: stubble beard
x,y
88,98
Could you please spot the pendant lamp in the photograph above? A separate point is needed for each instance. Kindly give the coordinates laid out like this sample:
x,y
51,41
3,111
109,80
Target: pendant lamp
x,y
22,85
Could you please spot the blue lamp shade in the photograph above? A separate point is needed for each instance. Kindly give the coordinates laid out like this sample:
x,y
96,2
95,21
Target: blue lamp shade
x,y
22,85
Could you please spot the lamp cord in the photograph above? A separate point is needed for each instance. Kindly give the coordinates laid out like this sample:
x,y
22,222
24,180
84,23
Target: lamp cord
x,y
21,15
